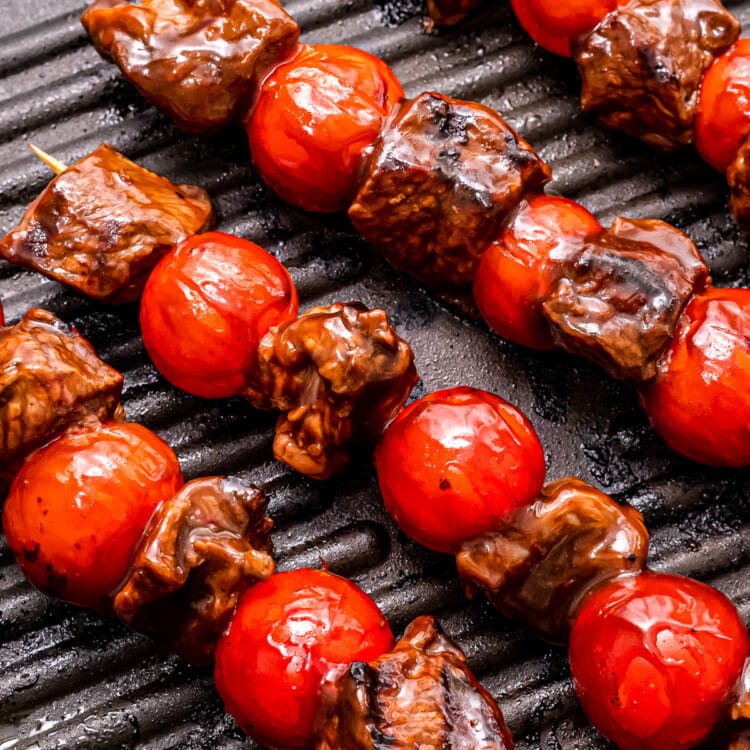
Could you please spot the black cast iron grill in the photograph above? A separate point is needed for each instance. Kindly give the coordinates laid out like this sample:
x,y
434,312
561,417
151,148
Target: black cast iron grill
x,y
71,679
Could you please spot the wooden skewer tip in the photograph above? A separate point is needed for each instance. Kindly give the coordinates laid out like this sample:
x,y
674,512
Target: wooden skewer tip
x,y
54,164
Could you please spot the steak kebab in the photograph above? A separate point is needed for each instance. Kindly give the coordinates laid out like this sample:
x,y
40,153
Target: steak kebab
x,y
671,72
99,516
640,580
448,192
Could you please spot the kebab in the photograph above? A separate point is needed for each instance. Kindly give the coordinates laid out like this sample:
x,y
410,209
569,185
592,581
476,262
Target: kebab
x,y
670,72
440,183
659,662
98,515
205,545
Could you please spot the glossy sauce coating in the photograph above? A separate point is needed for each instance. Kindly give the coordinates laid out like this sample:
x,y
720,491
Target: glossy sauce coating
x,y
50,379
103,224
206,307
200,61
724,115
457,463
556,24
203,548
442,177
419,696
641,68
289,636
655,659
79,505
537,566
516,272
314,118
700,400
341,374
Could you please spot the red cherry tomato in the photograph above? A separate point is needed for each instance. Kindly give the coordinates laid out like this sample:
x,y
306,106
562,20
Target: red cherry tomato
x,y
556,24
206,307
315,116
723,119
288,636
456,463
517,271
655,659
2,316
79,505
700,400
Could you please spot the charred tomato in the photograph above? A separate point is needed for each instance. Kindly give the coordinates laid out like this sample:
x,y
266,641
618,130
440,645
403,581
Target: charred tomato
x,y
455,464
289,636
314,117
206,307
79,505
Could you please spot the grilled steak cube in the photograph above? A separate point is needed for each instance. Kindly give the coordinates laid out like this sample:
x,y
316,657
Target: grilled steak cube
x,y
420,696
50,379
618,300
103,224
537,566
199,61
642,65
342,374
450,12
442,177
202,550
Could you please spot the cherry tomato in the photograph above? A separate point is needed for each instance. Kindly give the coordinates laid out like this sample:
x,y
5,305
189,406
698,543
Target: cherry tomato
x,y
723,119
206,307
79,505
556,24
700,400
517,271
655,658
289,635
2,316
315,116
456,463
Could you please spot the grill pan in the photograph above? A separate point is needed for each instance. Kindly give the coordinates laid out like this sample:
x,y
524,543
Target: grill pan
x,y
71,679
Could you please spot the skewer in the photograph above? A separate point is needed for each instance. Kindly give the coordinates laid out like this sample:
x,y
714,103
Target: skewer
x,y
54,164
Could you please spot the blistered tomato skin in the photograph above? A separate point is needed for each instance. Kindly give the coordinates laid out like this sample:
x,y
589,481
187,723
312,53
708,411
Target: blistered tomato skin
x,y
206,307
517,271
79,505
288,636
556,24
723,120
456,463
655,659
314,118
700,400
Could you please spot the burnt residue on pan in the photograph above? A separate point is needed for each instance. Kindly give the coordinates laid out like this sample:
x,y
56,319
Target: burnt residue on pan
x,y
71,679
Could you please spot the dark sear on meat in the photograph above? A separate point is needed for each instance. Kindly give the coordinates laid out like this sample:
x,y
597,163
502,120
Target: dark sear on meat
x,y
440,180
50,379
450,12
642,66
617,301
738,177
539,564
420,696
103,224
200,61
201,551
342,374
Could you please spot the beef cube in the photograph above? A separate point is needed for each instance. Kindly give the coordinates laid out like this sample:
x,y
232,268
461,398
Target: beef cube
x,y
440,180
50,379
537,566
420,695
199,61
618,300
103,224
642,65
202,550
342,374
450,12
